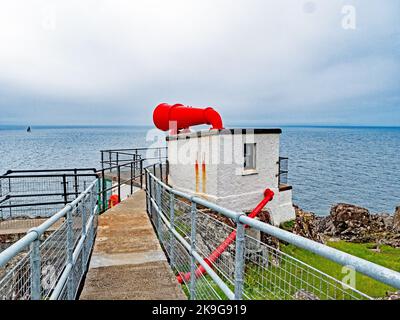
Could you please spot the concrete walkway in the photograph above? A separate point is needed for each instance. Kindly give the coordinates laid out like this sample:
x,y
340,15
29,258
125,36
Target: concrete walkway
x,y
127,261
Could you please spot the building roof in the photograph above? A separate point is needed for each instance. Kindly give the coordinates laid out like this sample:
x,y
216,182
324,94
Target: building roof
x,y
205,133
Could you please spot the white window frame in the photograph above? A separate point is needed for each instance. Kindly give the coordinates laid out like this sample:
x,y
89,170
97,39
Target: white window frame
x,y
250,157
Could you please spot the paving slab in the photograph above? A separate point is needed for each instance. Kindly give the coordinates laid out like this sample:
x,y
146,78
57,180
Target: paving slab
x,y
127,261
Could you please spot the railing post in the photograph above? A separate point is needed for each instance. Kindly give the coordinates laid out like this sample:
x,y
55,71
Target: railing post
x,y
172,222
193,216
91,232
166,171
239,260
110,160
141,173
65,189
119,183
132,175
84,219
9,191
134,165
159,220
35,270
102,160
70,250
151,184
104,193
160,165
150,187
147,193
76,187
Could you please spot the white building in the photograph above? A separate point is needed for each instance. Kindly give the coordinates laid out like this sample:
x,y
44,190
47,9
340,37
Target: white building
x,y
231,167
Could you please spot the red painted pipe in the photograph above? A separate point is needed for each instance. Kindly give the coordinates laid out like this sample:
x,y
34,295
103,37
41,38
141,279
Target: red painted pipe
x,y
268,196
183,117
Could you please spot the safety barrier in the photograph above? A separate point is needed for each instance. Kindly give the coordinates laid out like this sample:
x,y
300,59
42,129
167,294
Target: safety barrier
x,y
40,193
253,266
50,261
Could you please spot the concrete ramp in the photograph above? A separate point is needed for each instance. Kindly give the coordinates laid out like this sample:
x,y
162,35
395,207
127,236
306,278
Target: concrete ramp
x,y
127,261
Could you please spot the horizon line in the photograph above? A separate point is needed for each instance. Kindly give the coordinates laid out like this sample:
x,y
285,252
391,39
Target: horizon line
x,y
244,125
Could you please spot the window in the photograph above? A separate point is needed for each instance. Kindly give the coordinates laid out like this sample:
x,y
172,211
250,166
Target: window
x,y
249,156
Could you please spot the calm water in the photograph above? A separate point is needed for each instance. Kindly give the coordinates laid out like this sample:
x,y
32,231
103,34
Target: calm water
x,y
326,165
354,165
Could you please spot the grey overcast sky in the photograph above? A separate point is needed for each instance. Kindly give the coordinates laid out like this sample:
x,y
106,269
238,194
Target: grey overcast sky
x,y
256,61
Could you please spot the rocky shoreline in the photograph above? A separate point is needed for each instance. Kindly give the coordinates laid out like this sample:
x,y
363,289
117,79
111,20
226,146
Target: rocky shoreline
x,y
350,223
353,224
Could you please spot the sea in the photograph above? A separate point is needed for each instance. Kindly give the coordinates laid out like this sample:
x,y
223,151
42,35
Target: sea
x,y
327,165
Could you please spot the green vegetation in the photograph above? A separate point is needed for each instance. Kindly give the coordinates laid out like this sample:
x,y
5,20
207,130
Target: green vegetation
x,y
288,225
388,257
277,276
283,278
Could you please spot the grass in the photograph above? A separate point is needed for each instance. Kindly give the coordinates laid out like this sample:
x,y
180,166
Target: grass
x,y
267,283
288,225
388,257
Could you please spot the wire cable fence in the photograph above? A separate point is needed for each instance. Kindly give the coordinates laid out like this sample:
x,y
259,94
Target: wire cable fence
x,y
50,261
217,253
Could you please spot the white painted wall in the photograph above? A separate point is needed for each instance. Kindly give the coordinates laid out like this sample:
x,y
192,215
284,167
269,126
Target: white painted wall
x,y
226,183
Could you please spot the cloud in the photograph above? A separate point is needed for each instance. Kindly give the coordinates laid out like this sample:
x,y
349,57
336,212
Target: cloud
x,y
286,61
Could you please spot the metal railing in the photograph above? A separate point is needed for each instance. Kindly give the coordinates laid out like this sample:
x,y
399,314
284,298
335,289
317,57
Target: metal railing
x,y
252,266
40,193
124,177
116,157
50,261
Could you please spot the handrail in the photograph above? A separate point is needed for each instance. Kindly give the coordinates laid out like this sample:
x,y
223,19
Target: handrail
x,y
68,173
34,233
199,259
68,268
49,175
373,270
50,170
129,162
133,149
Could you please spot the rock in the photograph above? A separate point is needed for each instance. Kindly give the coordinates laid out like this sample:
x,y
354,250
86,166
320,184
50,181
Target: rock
x,y
304,295
326,226
351,223
396,219
306,225
382,222
355,224
347,217
392,239
392,295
